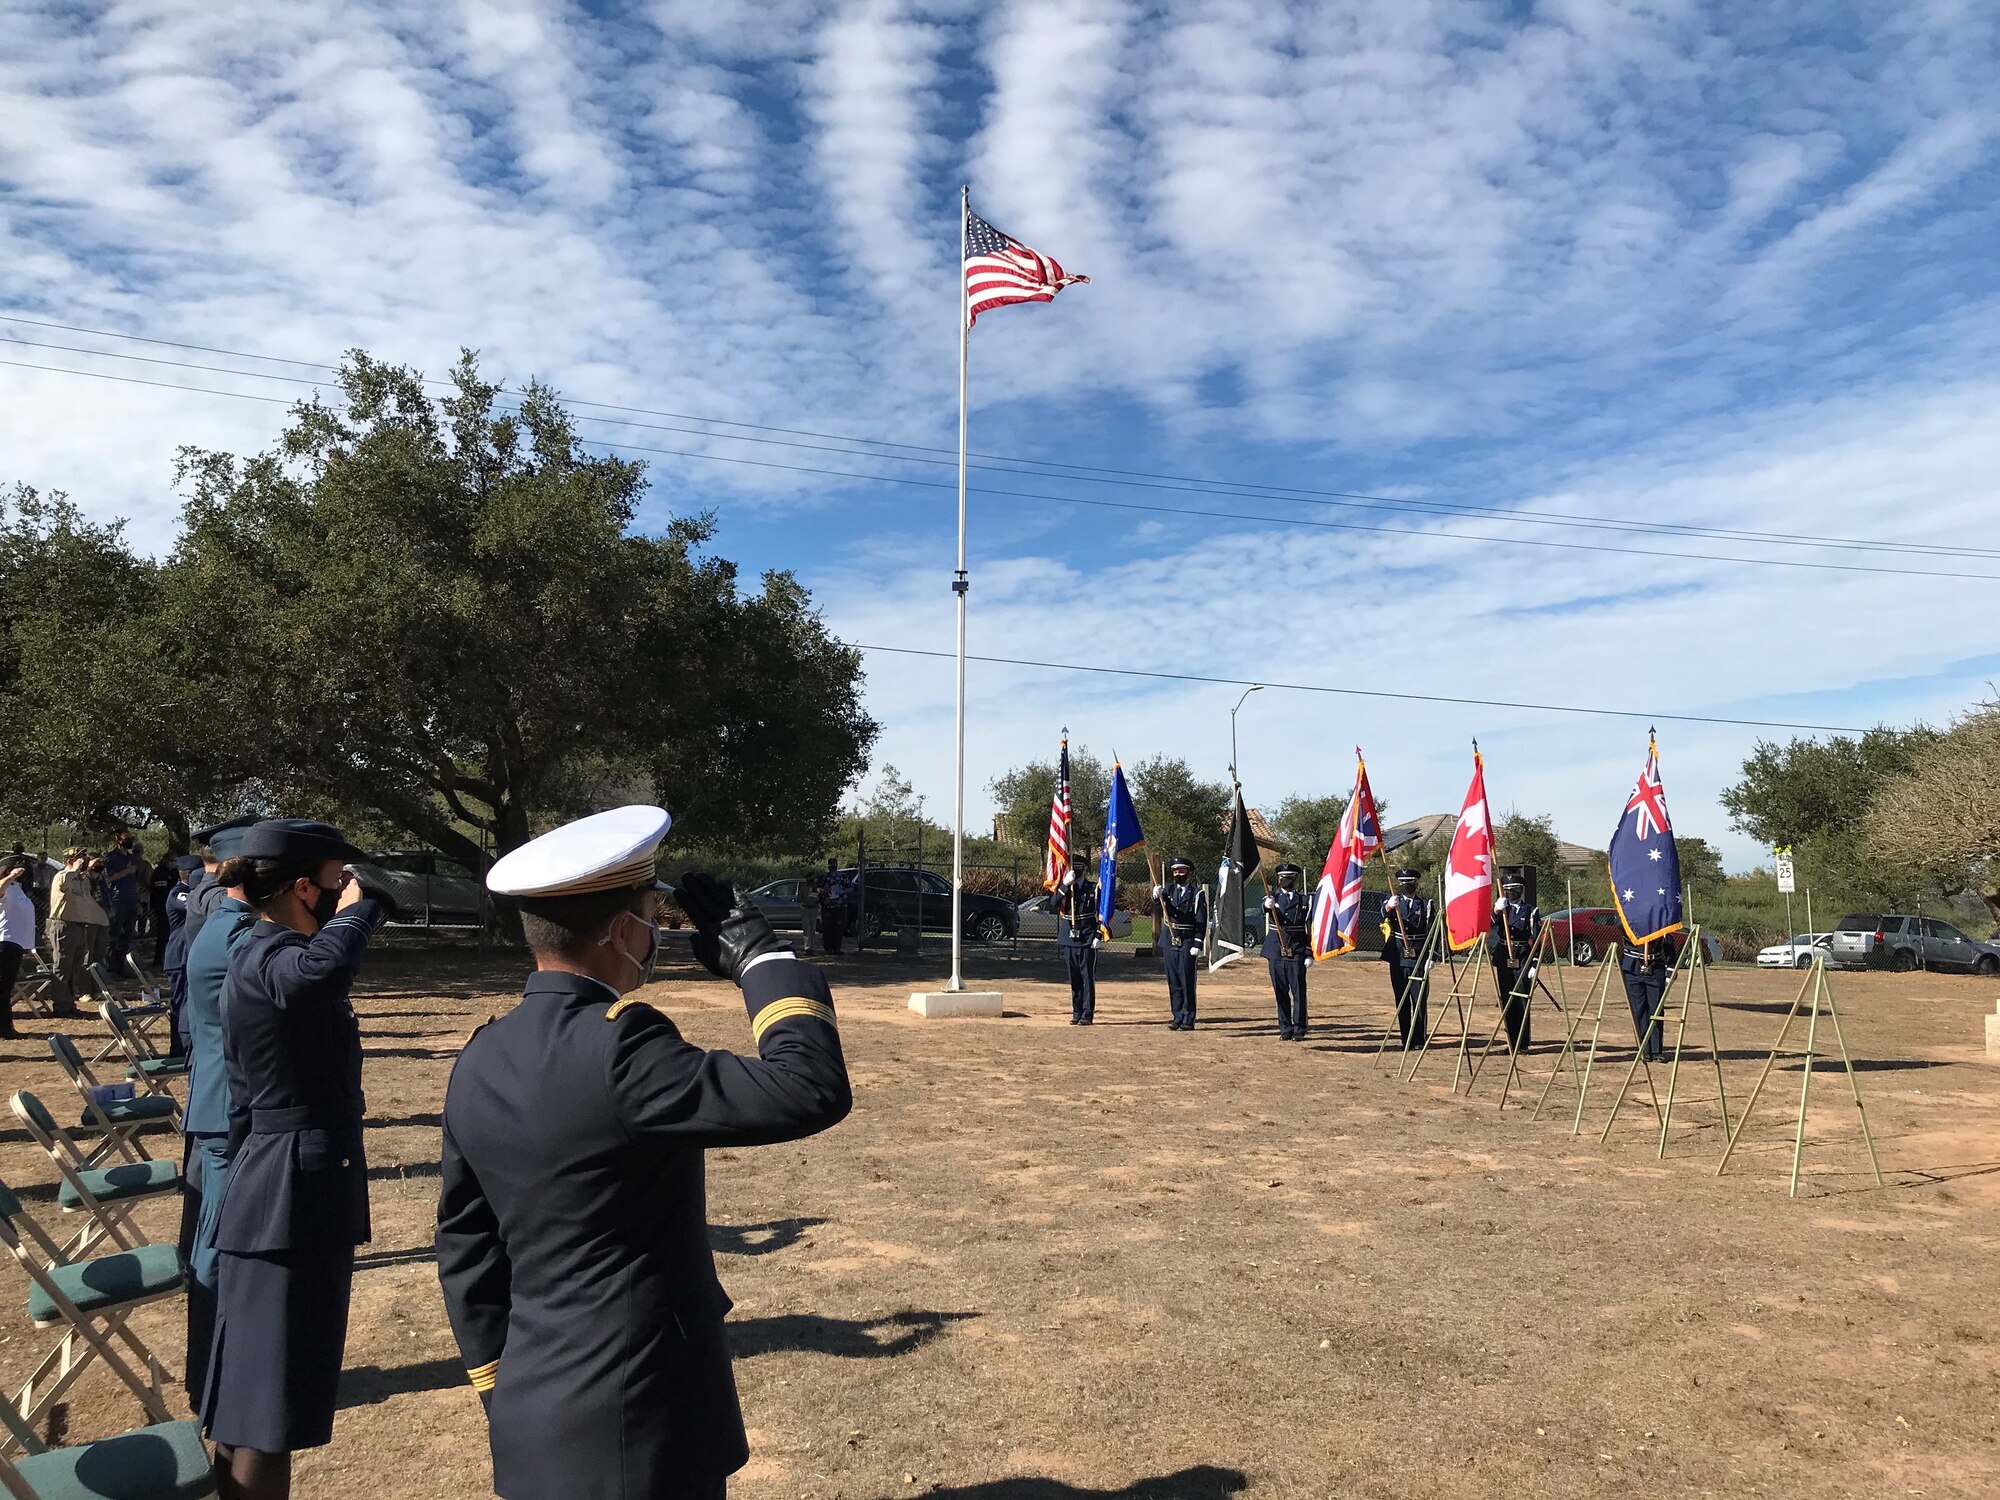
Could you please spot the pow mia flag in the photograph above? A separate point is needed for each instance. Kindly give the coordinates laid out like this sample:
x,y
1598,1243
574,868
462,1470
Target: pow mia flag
x,y
1240,861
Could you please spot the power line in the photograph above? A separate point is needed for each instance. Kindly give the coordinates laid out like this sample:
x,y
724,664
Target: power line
x,y
1084,473
1347,692
1234,517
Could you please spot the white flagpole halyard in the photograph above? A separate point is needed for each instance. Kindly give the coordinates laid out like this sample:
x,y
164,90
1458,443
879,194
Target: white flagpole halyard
x,y
959,587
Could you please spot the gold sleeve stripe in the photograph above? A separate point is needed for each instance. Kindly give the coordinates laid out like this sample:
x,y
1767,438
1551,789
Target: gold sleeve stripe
x,y
484,1377
788,1009
624,1003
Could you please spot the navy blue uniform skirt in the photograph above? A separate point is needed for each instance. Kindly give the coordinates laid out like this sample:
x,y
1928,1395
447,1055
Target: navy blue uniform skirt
x,y
280,1334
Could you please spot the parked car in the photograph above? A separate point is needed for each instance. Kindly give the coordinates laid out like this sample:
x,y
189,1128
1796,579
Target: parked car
x,y
422,888
903,898
1584,934
1032,922
1883,940
782,904
1797,954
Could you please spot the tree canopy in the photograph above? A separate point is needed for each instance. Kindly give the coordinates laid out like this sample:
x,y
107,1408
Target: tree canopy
x,y
436,616
1940,819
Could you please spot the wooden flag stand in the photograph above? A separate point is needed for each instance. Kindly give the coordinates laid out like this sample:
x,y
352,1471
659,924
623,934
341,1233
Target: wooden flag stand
x,y
1596,996
1681,980
1822,1000
1567,1053
1464,1000
1419,974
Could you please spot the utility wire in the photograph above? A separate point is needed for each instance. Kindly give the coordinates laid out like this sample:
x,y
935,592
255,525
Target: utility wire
x,y
1080,473
1314,687
1235,517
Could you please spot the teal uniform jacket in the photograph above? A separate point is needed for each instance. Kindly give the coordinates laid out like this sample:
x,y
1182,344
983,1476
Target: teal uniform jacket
x,y
572,1231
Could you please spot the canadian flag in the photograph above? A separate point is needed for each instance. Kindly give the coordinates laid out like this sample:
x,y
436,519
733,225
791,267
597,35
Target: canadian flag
x,y
1468,869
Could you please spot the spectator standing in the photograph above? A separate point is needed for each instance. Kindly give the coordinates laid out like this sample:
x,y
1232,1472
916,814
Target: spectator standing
x,y
78,925
17,934
121,896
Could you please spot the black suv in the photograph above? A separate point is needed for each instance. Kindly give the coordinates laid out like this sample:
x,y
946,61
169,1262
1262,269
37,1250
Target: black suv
x,y
905,898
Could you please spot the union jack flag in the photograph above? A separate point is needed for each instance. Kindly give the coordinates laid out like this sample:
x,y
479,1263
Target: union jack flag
x,y
1645,862
999,270
1055,863
1337,900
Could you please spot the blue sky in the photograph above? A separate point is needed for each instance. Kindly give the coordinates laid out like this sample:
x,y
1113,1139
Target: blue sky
x,y
1713,265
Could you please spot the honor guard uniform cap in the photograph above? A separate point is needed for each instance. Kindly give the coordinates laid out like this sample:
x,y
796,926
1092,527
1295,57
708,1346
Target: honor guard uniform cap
x,y
1289,870
606,851
295,838
186,862
225,840
1178,863
1406,873
1512,875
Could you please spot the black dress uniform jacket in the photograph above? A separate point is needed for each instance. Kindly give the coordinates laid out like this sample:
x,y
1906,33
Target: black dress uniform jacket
x,y
295,1203
297,1177
1294,913
1082,899
573,1225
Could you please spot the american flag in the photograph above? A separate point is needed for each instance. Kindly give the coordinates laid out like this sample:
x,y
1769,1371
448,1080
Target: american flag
x,y
1337,902
999,269
1055,863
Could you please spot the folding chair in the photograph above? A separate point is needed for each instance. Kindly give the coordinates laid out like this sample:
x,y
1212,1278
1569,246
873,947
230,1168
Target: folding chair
x,y
142,1064
150,1009
166,1462
91,1300
117,1121
36,986
106,1194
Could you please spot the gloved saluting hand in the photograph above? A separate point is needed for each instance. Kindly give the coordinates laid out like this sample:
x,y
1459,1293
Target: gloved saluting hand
x,y
729,930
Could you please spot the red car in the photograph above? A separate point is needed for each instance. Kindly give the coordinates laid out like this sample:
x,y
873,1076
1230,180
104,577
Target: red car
x,y
1584,934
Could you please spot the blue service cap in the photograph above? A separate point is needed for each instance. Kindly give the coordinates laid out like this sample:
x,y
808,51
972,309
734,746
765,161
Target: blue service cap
x,y
224,839
295,838
186,862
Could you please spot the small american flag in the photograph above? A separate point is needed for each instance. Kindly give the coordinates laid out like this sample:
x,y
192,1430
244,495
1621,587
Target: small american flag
x,y
999,269
1055,863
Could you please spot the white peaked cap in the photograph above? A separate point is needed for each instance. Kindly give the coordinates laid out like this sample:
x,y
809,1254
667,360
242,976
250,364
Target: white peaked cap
x,y
602,852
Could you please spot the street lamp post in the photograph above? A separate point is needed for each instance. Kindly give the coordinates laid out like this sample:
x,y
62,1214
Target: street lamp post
x,y
1255,687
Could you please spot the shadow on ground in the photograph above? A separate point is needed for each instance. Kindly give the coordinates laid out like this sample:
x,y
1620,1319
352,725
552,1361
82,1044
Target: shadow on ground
x,y
366,1385
846,1338
1202,1482
759,1239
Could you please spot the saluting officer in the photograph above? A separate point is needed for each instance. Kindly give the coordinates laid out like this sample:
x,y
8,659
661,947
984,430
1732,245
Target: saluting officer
x,y
572,1225
1074,903
219,843
1184,907
1516,930
1646,968
296,1203
1406,927
1288,950
205,1122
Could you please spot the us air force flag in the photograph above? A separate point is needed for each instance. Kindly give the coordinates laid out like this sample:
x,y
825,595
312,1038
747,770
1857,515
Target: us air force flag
x,y
1645,865
1239,862
1121,833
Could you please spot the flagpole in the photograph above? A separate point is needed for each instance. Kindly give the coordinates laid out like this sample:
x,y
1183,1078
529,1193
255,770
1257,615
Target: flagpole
x,y
959,586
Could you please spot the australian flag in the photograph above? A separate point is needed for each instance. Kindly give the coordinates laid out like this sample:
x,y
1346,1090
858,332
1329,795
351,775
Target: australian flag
x,y
1121,833
1645,865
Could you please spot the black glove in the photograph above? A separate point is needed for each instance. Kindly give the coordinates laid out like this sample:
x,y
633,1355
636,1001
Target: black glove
x,y
729,930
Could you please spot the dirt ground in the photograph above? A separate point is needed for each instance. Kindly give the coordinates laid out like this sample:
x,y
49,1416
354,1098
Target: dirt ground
x,y
1046,1263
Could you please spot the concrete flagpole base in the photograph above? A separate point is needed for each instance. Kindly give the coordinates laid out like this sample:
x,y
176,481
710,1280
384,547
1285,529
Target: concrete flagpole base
x,y
938,1005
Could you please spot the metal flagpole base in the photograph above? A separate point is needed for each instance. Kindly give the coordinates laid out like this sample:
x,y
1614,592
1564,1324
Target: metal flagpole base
x,y
938,1005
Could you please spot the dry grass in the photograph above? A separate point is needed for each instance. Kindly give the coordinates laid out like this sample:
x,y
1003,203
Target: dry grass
x,y
1042,1263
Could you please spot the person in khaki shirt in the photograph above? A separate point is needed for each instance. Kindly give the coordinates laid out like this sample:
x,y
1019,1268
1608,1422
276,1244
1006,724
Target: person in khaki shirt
x,y
79,928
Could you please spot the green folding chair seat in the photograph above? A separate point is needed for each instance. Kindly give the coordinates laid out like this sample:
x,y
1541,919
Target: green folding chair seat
x,y
125,1111
166,1462
132,1179
158,1067
93,1285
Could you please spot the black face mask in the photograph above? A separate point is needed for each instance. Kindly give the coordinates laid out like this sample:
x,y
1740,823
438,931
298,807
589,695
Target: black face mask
x,y
325,905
